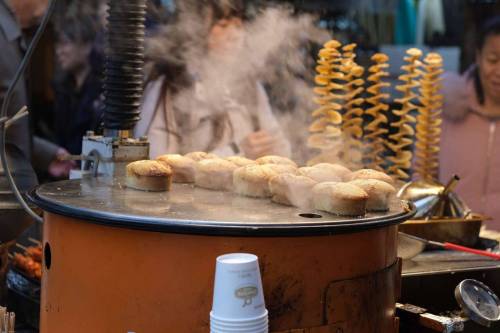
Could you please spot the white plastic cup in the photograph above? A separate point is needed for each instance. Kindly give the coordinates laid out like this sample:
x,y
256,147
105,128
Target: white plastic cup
x,y
243,325
217,330
238,295
256,328
240,323
235,329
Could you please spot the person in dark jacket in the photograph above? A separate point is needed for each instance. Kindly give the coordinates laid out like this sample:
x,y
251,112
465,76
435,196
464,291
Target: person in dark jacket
x,y
78,90
16,15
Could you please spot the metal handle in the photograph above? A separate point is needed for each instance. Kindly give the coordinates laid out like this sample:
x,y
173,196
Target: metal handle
x,y
456,247
451,185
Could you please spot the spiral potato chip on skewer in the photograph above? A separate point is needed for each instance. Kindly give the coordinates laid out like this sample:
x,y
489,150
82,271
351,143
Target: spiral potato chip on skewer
x,y
428,129
326,127
352,117
402,140
375,130
348,51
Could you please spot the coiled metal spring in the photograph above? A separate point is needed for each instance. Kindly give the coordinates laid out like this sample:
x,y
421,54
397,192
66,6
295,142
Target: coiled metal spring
x,y
123,74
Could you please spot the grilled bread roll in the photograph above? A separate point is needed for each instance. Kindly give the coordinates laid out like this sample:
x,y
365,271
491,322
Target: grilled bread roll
x,y
340,170
281,168
342,199
239,161
292,190
215,174
148,176
372,174
379,193
183,167
275,160
253,180
200,155
320,175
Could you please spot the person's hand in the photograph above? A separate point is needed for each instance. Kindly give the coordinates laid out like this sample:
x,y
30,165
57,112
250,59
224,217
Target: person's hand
x,y
60,168
259,144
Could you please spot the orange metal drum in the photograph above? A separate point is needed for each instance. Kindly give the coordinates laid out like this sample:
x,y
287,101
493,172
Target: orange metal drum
x,y
101,277
104,279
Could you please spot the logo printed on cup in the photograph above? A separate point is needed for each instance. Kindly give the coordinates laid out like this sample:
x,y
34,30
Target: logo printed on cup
x,y
247,294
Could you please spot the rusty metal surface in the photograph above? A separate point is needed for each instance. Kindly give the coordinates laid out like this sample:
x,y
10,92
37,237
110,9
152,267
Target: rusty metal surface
x,y
354,298
109,202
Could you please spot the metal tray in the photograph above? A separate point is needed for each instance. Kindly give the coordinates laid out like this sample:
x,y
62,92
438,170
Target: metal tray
x,y
454,230
187,209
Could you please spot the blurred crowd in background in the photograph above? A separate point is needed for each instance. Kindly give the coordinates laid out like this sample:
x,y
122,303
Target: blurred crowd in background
x,y
64,79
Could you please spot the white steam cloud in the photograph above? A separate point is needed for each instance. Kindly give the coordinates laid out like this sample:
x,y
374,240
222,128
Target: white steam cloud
x,y
275,50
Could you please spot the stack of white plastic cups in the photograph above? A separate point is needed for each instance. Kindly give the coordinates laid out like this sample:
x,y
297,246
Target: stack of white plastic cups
x,y
238,304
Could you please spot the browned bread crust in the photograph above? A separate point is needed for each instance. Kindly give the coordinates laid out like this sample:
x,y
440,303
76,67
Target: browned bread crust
x,y
340,199
371,174
379,193
148,176
215,174
292,190
184,168
273,159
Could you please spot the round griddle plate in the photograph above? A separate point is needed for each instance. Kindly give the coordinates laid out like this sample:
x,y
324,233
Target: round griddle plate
x,y
478,302
187,209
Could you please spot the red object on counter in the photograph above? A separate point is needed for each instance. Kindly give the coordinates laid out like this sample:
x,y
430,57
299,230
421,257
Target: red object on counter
x,y
455,247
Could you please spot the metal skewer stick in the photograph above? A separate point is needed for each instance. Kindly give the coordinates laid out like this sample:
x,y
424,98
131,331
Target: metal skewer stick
x,y
2,315
22,247
35,241
20,114
6,323
12,322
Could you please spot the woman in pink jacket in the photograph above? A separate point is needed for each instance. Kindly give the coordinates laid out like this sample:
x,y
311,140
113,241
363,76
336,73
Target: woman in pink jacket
x,y
470,144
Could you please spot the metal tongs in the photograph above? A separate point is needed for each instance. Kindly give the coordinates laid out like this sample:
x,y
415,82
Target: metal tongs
x,y
435,200
7,321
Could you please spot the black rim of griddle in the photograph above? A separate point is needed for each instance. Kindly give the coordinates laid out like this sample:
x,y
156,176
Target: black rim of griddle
x,y
170,225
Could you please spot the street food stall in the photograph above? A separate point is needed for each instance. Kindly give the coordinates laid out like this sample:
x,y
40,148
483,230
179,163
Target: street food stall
x,y
360,238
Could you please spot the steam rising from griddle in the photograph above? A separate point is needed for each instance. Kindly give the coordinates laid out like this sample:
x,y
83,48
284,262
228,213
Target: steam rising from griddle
x,y
273,50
